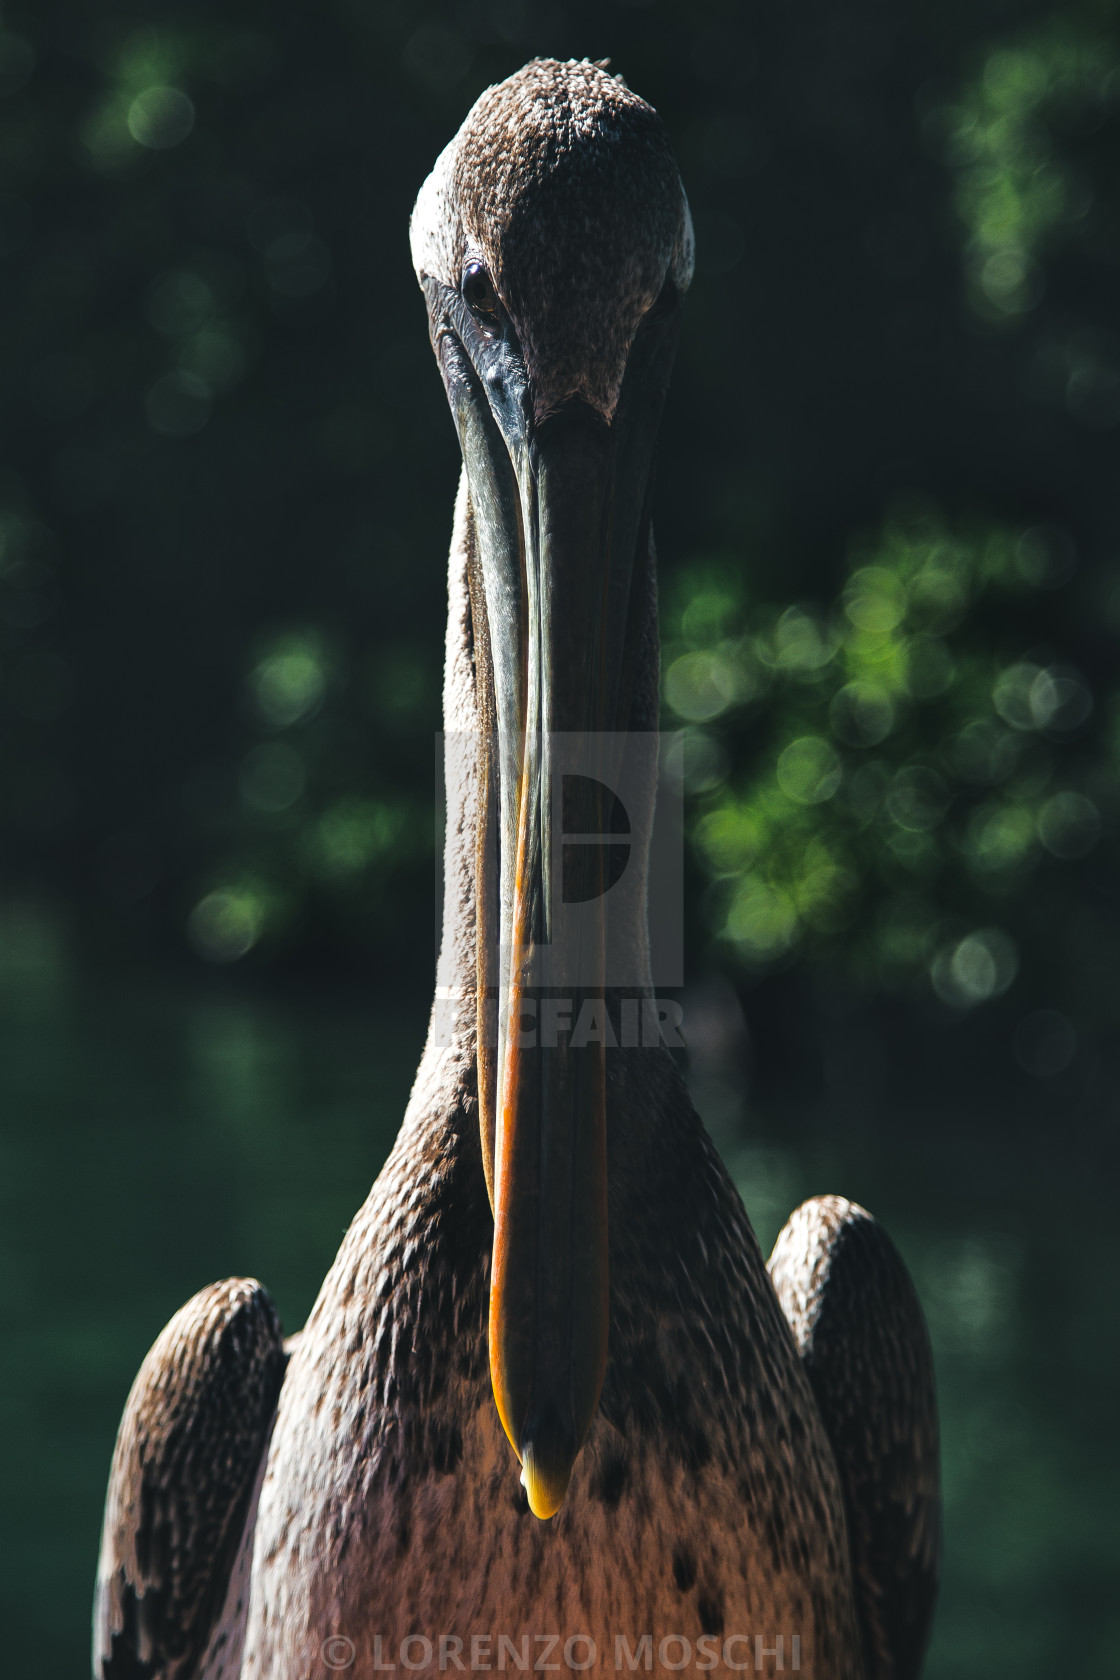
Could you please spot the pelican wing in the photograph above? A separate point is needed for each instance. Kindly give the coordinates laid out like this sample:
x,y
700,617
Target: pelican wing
x,y
190,1443
862,1338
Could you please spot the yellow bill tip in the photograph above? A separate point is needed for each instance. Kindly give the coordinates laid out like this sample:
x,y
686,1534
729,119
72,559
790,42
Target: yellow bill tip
x,y
546,1485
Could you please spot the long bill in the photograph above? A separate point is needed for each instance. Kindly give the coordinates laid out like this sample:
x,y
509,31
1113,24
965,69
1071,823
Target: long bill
x,y
560,509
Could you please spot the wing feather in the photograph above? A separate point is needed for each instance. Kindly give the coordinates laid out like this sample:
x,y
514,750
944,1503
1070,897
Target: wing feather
x,y
860,1331
188,1449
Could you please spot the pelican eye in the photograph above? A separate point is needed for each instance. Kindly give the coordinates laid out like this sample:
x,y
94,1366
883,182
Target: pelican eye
x,y
479,294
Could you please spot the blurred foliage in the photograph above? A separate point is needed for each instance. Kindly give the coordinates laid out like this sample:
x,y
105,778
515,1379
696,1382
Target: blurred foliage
x,y
887,779
1020,190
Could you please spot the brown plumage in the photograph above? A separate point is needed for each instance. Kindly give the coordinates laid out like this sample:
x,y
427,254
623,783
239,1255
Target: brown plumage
x,y
720,1491
186,1460
573,218
859,1330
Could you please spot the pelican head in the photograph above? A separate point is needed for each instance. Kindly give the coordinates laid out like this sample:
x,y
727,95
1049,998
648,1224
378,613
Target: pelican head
x,y
553,244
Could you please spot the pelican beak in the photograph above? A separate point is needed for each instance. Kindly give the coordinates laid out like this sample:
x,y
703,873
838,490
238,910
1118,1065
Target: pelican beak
x,y
560,512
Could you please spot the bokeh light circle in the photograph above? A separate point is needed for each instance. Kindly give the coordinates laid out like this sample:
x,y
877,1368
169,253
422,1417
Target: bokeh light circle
x,y
160,117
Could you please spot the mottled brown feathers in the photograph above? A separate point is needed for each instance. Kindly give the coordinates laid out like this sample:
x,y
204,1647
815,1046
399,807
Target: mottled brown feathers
x,y
706,1497
187,1453
861,1335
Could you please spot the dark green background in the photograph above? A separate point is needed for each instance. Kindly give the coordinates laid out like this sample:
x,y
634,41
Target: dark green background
x,y
226,477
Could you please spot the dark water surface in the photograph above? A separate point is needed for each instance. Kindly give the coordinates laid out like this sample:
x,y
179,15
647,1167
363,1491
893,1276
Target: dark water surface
x,y
155,1138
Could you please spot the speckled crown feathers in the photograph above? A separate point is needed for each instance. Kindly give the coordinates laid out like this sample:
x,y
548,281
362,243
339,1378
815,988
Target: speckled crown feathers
x,y
562,181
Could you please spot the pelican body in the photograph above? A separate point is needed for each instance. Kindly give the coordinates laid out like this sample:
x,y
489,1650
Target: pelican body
x,y
550,1407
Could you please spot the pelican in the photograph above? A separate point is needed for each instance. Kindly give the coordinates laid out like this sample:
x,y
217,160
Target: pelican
x,y
551,1409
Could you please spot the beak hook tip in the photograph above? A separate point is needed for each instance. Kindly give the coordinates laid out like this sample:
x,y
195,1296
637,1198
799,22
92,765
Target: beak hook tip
x,y
546,1486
